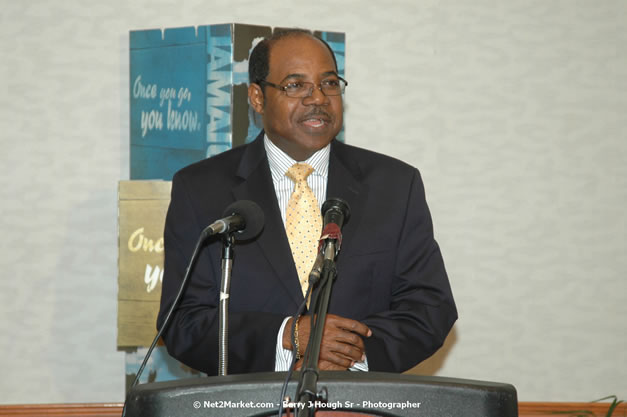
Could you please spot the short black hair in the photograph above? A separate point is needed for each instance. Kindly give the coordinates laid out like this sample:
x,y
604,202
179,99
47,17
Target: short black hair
x,y
259,63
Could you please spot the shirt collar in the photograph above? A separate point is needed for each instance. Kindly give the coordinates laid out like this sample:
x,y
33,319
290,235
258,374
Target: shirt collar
x,y
280,162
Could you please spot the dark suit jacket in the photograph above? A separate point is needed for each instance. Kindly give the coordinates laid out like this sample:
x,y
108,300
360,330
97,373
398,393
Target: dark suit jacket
x,y
390,271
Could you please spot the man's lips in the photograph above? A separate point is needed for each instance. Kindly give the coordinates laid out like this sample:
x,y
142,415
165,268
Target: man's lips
x,y
316,119
314,122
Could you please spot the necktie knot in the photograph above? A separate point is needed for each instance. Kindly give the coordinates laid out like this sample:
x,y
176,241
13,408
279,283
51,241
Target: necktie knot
x,y
299,171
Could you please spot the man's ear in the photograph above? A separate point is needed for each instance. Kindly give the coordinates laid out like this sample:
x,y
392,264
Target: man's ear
x,y
255,96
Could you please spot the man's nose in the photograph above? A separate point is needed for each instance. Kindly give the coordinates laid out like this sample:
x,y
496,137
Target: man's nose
x,y
316,97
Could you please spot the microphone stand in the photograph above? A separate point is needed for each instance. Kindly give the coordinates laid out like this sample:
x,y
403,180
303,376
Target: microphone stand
x,y
307,392
227,264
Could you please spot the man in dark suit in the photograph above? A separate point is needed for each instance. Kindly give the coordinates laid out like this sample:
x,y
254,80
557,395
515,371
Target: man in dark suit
x,y
391,305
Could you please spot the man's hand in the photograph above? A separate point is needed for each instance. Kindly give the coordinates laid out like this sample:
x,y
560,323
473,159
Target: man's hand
x,y
322,365
342,344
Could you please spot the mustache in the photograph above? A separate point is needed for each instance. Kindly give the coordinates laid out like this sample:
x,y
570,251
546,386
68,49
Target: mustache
x,y
317,112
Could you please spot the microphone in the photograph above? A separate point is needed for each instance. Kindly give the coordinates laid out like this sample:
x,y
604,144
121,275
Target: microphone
x,y
243,217
335,212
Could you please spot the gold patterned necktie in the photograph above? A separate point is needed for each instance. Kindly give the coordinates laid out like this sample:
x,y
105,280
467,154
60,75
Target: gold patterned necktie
x,y
303,222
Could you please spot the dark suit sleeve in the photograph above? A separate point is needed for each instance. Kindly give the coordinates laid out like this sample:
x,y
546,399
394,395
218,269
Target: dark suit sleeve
x,y
192,334
421,308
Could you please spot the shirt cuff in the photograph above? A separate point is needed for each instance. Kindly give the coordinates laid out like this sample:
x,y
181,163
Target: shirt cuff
x,y
360,366
283,356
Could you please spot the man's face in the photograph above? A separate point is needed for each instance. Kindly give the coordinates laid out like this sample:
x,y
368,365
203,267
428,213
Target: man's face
x,y
299,126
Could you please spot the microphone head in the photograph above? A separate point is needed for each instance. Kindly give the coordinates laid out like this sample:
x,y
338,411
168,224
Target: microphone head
x,y
335,210
252,215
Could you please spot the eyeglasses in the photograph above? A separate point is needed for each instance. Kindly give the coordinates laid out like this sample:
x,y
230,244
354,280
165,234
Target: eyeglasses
x,y
302,89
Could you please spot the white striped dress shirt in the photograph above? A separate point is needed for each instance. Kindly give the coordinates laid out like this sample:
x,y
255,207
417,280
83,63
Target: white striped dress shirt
x,y
279,163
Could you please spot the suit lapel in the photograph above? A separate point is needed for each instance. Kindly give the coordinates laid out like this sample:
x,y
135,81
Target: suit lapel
x,y
257,186
345,183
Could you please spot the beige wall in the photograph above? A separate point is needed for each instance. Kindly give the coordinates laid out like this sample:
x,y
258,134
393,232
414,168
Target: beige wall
x,y
515,112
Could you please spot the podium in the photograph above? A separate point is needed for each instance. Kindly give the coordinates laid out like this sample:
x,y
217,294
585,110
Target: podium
x,y
349,393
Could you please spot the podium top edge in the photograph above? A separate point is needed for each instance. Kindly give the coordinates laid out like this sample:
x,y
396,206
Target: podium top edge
x,y
329,377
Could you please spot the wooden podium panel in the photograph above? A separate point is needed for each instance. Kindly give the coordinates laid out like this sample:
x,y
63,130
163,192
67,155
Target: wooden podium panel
x,y
525,409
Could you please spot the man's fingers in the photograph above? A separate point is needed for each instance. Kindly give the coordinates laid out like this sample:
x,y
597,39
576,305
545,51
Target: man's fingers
x,y
336,359
326,365
342,344
352,352
350,339
353,326
330,366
